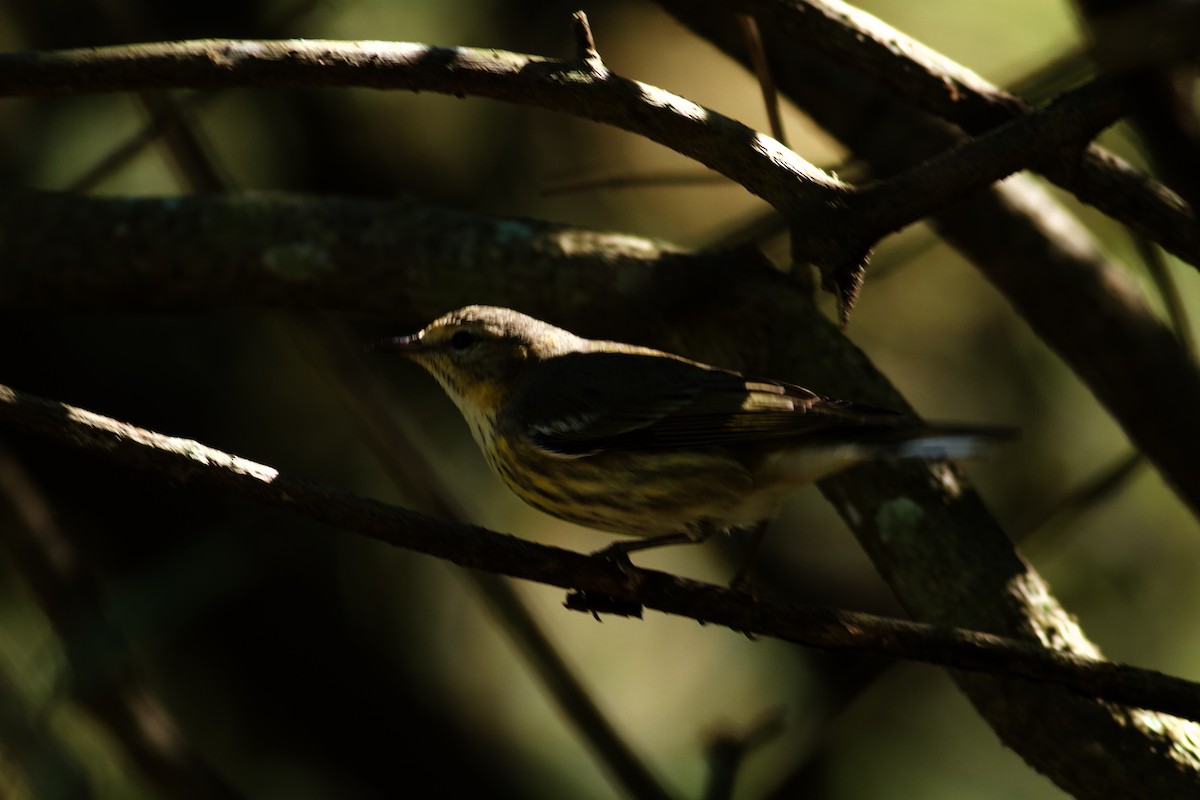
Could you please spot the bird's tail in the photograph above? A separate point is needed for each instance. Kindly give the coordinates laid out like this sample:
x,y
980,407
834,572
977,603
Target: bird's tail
x,y
814,460
944,441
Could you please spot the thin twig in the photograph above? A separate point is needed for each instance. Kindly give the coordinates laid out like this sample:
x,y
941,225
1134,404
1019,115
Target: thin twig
x,y
1168,290
585,43
762,71
125,152
727,750
626,180
1101,484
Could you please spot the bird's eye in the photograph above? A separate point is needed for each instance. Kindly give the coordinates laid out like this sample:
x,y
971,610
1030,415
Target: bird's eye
x,y
461,340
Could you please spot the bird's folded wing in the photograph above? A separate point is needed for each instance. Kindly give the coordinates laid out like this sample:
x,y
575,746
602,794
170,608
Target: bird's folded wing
x,y
585,403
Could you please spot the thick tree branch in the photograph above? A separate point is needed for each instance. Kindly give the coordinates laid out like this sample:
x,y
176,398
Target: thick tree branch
x,y
190,462
68,252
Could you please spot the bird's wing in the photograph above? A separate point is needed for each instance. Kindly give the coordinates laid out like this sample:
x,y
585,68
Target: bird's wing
x,y
585,403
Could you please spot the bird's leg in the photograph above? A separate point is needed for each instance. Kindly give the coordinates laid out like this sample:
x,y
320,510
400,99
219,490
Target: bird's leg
x,y
742,578
620,549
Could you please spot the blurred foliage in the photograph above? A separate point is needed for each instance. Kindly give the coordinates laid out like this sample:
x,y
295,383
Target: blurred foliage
x,y
305,664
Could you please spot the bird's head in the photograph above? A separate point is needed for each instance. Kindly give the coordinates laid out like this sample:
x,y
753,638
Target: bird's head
x,y
479,353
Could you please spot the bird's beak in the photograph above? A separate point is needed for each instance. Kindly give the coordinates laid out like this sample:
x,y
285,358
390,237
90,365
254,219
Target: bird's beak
x,y
404,345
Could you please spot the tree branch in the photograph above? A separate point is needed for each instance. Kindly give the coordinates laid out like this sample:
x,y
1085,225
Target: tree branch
x,y
580,87
1051,135
929,80
190,462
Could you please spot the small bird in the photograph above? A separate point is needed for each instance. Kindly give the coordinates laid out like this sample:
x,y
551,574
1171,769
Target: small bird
x,y
636,441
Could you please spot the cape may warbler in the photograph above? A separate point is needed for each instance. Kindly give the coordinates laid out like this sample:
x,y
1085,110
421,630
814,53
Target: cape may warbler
x,y
637,441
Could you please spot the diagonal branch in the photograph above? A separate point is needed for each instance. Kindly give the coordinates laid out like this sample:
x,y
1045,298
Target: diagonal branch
x,y
188,461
